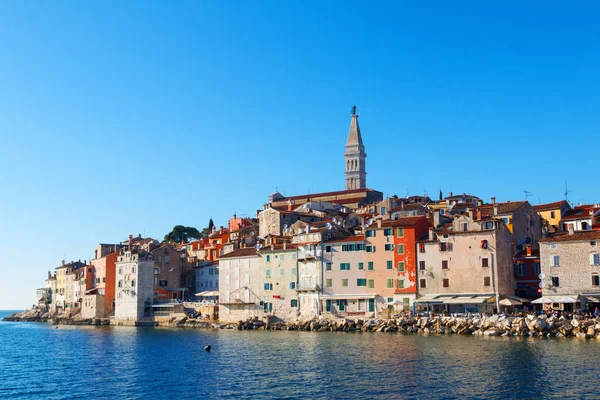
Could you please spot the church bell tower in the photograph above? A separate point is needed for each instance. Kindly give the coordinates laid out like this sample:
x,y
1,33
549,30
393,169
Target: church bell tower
x,y
356,175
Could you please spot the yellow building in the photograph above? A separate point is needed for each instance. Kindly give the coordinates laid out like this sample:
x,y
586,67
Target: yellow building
x,y
552,213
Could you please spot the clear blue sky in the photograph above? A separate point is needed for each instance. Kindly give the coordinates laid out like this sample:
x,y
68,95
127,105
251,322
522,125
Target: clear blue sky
x,y
131,117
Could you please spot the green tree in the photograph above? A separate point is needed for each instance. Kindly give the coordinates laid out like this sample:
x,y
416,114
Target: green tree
x,y
185,233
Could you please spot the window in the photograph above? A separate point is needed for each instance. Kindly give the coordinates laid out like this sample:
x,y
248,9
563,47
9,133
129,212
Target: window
x,y
268,273
370,233
554,261
400,232
163,283
400,266
443,246
465,227
595,280
268,307
390,264
506,220
328,267
327,249
328,282
400,283
370,249
423,283
389,247
345,267
390,300
400,249
487,281
422,265
294,303
552,245
292,285
389,283
361,282
120,284
488,225
166,259
484,262
370,265
444,264
268,286
353,247
268,258
281,257
132,283
383,210
537,268
371,283
520,269
361,265
294,271
552,214
387,232
594,259
103,279
344,282
446,282
421,247
281,271
555,281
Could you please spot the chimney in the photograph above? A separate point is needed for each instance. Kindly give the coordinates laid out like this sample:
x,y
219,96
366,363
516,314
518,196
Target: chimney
x,y
130,240
528,248
450,194
285,245
307,228
289,205
493,200
571,229
470,212
495,210
436,218
272,247
49,274
479,214
431,234
379,223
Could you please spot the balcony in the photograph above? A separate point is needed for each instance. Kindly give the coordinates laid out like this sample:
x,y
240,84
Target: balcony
x,y
307,287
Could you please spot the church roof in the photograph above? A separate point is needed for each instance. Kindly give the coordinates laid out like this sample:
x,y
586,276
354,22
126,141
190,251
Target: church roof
x,y
354,136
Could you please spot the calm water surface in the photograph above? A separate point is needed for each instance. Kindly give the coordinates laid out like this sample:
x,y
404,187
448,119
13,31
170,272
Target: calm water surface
x,y
38,361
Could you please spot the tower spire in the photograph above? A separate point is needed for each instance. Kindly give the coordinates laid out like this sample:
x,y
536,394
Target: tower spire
x,y
356,176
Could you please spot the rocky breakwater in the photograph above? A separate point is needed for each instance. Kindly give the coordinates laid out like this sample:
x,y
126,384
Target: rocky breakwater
x,y
41,315
529,325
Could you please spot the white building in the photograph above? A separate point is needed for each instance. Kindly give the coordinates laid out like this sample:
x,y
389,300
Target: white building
x,y
134,286
239,286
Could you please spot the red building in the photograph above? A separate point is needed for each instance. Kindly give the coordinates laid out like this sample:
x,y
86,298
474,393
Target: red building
x,y
527,270
405,235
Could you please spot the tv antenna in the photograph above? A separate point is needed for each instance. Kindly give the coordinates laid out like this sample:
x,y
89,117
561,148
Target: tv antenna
x,y
567,191
527,194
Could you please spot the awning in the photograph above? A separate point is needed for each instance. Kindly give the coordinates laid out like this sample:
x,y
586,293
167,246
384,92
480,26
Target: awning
x,y
466,300
207,293
347,296
555,299
429,298
509,302
591,299
542,300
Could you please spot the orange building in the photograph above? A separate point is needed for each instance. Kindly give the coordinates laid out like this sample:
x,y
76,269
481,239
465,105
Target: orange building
x,y
105,279
406,233
214,248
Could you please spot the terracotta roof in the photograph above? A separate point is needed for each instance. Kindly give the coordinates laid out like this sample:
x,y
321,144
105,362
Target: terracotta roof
x,y
325,194
245,252
408,221
408,207
508,207
550,206
577,236
356,238
278,247
579,212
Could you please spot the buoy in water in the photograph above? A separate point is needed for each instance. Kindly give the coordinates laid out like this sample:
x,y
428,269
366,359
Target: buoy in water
x,y
206,348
